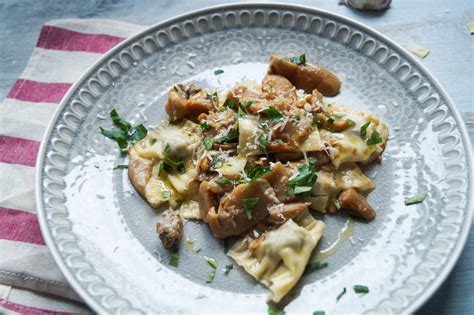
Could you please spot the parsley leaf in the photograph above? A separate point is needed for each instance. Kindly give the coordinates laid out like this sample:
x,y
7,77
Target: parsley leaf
x,y
223,181
274,311
119,122
363,130
165,194
228,268
314,266
361,289
175,89
205,125
330,121
258,171
375,138
303,181
248,205
319,313
178,164
229,104
263,143
232,135
299,60
339,296
418,198
120,167
174,259
247,104
226,245
218,71
213,263
273,114
207,143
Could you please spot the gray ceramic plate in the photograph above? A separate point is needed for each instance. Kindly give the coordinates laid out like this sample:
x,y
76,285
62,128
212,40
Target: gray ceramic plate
x,y
101,233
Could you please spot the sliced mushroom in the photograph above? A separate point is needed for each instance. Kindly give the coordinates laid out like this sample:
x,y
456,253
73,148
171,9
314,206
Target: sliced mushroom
x,y
139,172
306,76
187,101
294,132
169,228
281,213
354,203
209,192
278,179
231,217
276,86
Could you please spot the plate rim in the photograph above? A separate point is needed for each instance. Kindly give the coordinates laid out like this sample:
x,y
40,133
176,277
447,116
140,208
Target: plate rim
x,y
465,228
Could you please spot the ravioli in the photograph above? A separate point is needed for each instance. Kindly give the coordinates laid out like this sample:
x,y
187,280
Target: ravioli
x,y
278,258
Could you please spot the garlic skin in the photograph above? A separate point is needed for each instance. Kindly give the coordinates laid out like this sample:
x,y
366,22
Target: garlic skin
x,y
368,5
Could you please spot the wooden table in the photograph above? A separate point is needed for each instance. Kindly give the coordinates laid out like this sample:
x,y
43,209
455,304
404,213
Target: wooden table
x,y
438,25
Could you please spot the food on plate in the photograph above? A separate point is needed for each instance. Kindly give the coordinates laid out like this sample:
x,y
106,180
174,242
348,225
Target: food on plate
x,y
254,161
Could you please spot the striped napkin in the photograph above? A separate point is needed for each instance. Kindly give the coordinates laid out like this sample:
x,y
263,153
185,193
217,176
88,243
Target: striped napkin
x,y
65,49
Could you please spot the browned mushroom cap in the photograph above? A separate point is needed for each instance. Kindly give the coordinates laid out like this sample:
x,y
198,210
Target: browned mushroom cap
x,y
277,86
139,172
231,217
354,203
281,213
169,228
187,102
307,77
209,192
293,133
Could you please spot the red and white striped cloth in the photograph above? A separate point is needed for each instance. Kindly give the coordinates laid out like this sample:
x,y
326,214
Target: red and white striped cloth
x,y
65,49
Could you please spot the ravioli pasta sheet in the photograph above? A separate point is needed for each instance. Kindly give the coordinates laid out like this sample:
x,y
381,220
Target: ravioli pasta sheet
x,y
278,258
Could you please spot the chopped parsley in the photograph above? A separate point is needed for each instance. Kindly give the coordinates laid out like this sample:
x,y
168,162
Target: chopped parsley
x,y
303,181
314,266
248,205
228,268
418,198
212,96
120,167
218,71
213,263
258,171
339,296
337,204
207,143
174,259
165,194
330,121
299,60
247,104
223,181
295,118
263,143
274,311
175,89
178,164
126,132
319,313
240,115
228,104
273,114
361,289
226,246
216,162
317,123
375,138
165,167
152,141
205,125
363,130
232,135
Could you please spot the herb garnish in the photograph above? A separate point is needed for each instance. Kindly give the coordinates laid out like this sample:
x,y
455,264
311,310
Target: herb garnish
x,y
363,130
218,71
361,289
274,311
205,125
232,135
317,123
178,164
223,181
375,138
330,121
216,162
213,263
174,259
152,141
175,89
248,205
226,246
228,268
212,96
295,118
207,143
273,114
229,104
304,180
247,104
257,171
120,167
418,198
299,60
263,143
126,132
314,266
341,294
319,313
337,204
